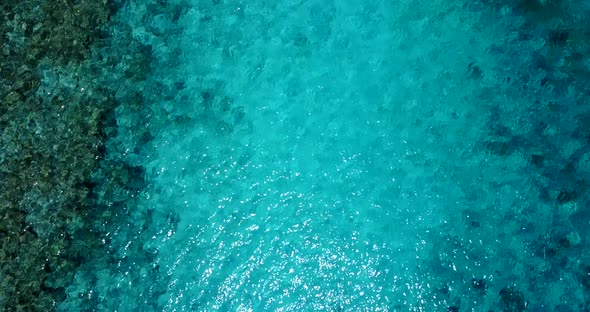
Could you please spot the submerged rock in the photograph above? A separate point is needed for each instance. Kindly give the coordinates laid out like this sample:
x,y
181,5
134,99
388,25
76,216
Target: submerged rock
x,y
512,300
51,143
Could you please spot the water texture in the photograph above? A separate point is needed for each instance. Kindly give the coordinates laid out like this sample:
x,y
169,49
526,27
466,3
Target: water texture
x,y
345,156
329,155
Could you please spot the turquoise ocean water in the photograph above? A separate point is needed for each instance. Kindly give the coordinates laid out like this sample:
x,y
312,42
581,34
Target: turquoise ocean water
x,y
352,156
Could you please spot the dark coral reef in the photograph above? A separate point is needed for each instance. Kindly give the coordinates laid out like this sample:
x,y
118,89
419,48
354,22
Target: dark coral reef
x,y
55,120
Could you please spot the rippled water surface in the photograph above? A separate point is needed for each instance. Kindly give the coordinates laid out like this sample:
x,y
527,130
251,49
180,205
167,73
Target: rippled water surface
x,y
343,156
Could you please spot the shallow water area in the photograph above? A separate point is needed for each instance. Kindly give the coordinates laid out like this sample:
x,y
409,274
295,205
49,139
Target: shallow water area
x,y
343,156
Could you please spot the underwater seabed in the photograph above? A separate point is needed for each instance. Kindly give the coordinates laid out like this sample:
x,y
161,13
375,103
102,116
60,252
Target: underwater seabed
x,y
348,156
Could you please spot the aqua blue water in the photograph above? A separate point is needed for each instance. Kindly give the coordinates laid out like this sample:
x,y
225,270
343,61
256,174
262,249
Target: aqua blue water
x,y
341,156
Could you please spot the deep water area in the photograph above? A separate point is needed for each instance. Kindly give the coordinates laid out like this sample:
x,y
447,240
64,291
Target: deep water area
x,y
228,155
